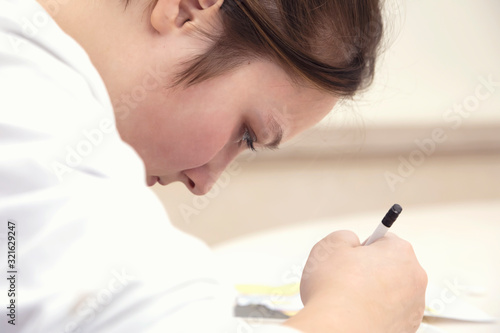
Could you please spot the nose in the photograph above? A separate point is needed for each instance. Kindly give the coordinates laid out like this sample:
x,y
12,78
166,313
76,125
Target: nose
x,y
201,179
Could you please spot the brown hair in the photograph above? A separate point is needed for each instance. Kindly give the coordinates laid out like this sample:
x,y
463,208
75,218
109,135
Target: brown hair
x,y
329,43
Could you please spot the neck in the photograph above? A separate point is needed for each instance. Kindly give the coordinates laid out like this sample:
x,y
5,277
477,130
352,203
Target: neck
x,y
107,31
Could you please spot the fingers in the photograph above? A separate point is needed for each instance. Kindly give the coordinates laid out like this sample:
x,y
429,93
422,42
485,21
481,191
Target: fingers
x,y
328,246
350,239
403,249
347,238
393,241
342,238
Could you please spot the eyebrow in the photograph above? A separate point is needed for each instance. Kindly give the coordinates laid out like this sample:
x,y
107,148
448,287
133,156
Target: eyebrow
x,y
276,128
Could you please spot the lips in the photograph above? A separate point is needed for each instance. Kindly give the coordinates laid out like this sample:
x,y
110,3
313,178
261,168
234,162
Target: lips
x,y
152,180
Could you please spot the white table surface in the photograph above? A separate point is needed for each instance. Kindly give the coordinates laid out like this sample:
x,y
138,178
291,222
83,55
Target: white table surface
x,y
457,243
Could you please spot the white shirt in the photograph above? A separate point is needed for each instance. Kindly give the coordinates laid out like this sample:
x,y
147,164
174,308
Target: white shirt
x,y
94,250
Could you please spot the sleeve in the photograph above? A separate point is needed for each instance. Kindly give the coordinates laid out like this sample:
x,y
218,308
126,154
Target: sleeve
x,y
96,251
153,277
248,328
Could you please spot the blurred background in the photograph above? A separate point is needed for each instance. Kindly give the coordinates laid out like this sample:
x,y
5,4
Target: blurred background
x,y
426,133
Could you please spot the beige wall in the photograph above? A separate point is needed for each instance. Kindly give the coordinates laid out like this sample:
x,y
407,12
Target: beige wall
x,y
435,54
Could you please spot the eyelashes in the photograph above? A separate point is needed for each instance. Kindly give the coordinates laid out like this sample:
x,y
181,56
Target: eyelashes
x,y
249,139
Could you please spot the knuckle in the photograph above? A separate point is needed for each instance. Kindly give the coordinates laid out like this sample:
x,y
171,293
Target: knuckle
x,y
423,278
406,247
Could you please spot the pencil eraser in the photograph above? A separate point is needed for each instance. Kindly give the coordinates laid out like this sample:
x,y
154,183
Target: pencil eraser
x,y
392,215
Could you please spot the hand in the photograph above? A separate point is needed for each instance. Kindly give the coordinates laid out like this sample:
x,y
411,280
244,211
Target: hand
x,y
348,288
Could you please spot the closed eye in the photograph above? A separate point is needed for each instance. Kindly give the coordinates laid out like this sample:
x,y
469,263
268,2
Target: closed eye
x,y
249,139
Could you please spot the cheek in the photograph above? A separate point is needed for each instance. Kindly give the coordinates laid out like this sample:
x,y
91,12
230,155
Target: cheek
x,y
192,141
186,129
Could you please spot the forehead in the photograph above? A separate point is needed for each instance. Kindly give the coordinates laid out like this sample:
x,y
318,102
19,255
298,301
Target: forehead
x,y
293,104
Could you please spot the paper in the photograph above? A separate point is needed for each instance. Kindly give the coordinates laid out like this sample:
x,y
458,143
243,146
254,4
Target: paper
x,y
441,302
445,302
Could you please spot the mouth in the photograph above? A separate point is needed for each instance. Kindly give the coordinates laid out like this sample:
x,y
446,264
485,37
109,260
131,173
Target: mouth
x,y
152,180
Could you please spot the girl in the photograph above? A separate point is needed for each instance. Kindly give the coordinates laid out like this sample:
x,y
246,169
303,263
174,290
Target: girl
x,y
101,98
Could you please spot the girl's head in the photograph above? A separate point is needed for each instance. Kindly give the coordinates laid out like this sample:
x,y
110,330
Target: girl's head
x,y
328,44
195,82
